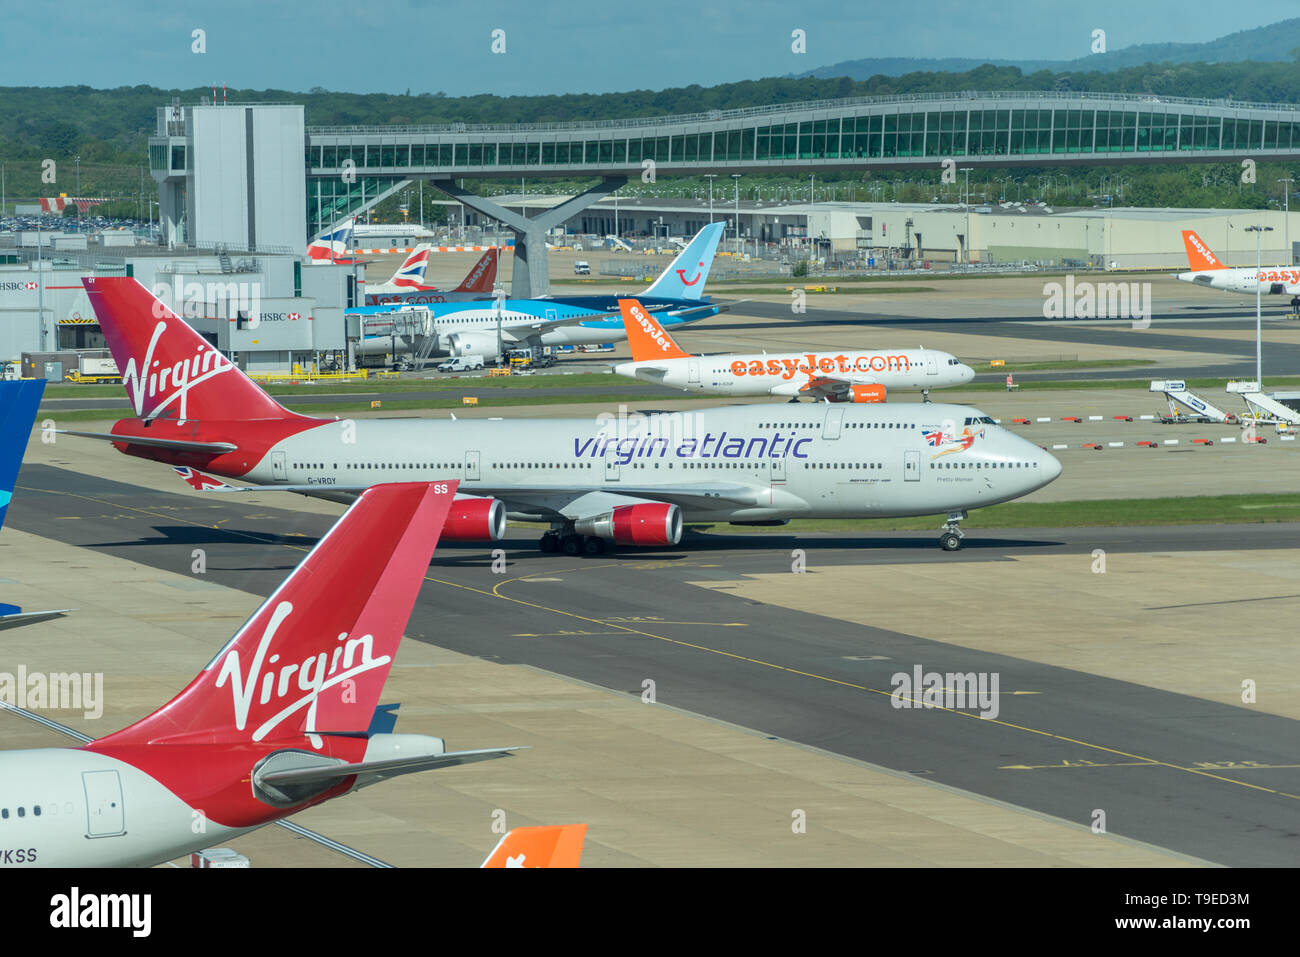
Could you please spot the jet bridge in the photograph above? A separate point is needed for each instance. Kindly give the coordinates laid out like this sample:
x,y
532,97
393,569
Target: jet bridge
x,y
1267,408
1177,393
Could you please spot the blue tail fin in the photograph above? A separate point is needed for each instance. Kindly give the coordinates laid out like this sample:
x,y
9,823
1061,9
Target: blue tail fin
x,y
18,402
685,278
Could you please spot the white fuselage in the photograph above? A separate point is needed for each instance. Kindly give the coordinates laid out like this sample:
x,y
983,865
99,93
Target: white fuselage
x,y
381,334
777,460
788,374
67,807
1268,281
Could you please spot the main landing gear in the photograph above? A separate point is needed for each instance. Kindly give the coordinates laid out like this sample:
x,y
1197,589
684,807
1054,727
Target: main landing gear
x,y
925,395
952,536
572,545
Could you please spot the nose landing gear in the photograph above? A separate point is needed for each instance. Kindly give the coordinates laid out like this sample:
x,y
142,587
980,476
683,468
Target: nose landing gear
x,y
952,536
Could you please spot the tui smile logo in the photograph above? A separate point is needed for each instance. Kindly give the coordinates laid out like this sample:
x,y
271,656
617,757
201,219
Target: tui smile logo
x,y
681,274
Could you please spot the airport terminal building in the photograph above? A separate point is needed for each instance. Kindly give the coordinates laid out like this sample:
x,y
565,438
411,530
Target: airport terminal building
x,y
244,187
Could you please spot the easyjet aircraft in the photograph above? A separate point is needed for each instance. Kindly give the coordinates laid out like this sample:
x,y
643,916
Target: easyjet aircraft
x,y
627,479
849,375
1208,270
286,715
407,286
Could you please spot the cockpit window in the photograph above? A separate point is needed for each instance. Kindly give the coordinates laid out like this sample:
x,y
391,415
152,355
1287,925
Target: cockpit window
x,y
979,420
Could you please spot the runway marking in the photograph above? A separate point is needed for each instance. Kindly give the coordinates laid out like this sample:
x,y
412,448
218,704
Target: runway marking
x,y
1226,601
1198,766
495,592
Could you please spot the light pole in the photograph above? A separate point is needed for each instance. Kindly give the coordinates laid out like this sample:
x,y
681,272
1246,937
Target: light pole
x,y
78,160
966,238
1259,265
735,178
710,177
1286,217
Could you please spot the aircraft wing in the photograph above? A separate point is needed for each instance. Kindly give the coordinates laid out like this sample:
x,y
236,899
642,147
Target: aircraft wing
x,y
333,772
176,445
695,495
859,388
539,323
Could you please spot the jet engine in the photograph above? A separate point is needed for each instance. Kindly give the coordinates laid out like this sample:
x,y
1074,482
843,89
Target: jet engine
x,y
474,519
648,523
473,344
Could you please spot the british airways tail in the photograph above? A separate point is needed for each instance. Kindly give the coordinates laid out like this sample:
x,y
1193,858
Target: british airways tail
x,y
686,276
410,274
18,402
332,246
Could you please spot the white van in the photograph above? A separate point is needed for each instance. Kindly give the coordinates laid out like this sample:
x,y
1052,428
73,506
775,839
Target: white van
x,y
462,364
582,268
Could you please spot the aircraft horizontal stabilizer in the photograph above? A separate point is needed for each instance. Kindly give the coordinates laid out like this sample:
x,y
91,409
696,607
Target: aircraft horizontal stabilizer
x,y
334,772
31,617
176,445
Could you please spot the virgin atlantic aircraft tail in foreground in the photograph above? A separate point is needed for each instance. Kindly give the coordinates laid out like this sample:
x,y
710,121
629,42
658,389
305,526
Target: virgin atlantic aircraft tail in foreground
x,y
286,715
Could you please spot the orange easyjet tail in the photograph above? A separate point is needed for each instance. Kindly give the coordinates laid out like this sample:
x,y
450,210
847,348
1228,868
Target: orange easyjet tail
x,y
1199,256
553,846
483,276
646,336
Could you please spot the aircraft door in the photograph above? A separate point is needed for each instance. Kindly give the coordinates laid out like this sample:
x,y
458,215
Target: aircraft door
x,y
693,371
931,364
105,815
471,465
611,463
279,466
833,422
911,466
551,315
778,471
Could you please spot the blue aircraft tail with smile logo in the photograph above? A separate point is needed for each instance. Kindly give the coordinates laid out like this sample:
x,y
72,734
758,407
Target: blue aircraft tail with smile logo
x,y
686,276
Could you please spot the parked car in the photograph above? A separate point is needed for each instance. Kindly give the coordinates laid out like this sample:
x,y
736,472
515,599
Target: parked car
x,y
582,268
462,364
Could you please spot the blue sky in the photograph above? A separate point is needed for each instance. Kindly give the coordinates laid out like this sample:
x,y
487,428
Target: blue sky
x,y
564,47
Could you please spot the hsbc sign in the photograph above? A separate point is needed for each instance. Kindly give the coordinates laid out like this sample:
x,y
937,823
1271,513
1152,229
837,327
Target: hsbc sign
x,y
27,286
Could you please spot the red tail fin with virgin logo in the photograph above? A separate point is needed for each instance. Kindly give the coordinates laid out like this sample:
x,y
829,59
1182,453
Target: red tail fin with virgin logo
x,y
483,276
315,656
169,370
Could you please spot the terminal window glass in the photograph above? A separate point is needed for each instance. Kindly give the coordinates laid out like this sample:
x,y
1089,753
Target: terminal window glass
x,y
548,154
532,152
620,151
178,157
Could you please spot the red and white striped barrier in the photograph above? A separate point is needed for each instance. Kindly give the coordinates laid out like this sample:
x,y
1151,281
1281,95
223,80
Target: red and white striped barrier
x,y
432,249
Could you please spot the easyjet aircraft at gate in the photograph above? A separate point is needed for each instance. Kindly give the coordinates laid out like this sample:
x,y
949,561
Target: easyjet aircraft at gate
x,y
626,479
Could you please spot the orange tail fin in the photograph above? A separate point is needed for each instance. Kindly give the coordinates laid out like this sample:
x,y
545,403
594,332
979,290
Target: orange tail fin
x,y
483,276
1199,256
646,336
554,846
